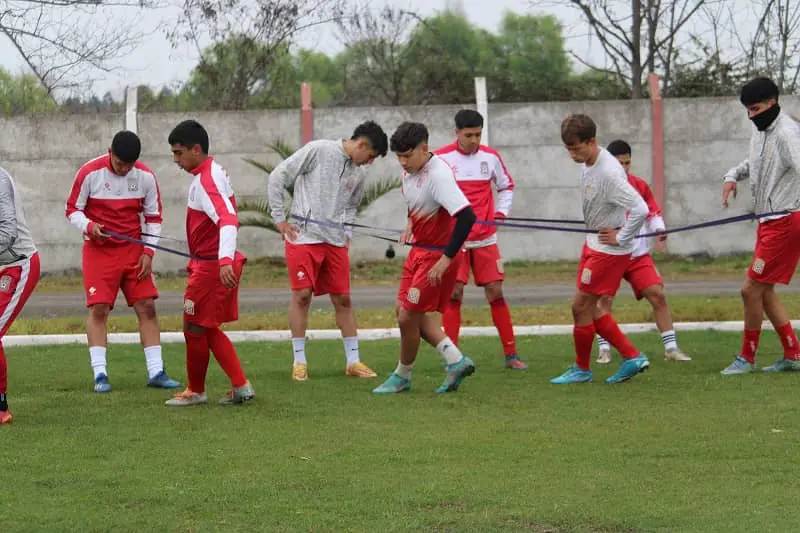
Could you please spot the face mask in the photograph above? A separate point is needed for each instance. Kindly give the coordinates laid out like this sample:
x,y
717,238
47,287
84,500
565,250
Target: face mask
x,y
767,117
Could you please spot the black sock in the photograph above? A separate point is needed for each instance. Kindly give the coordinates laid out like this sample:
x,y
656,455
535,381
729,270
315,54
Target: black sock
x,y
3,402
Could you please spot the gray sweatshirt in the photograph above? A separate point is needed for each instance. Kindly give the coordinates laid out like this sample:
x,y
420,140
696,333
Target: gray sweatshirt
x,y
328,188
16,243
773,167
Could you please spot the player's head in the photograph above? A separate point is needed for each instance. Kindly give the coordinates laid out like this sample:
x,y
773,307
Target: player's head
x,y
469,127
124,152
367,143
189,144
622,151
410,143
760,97
579,135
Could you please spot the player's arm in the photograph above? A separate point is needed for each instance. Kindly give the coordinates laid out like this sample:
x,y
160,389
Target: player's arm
x,y
505,188
220,210
8,214
76,203
351,209
624,195
153,215
789,151
738,173
283,178
655,219
447,194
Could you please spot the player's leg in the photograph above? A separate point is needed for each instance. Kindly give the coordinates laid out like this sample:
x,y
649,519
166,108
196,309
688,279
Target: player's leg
x,y
458,365
197,358
451,316
5,413
302,262
776,312
603,347
583,332
410,334
102,277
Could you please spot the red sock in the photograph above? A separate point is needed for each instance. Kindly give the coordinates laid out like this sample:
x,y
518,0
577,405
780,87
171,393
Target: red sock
x,y
501,317
750,344
583,336
3,370
197,357
789,341
225,354
451,320
607,327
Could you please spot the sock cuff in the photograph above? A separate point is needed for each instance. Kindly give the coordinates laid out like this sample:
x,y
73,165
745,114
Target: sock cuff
x,y
588,329
604,319
500,302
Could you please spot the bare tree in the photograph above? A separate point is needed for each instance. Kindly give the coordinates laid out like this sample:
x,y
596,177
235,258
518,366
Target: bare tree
x,y
63,41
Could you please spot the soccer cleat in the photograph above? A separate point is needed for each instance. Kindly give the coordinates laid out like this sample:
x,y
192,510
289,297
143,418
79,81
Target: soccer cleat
x,y
456,374
783,365
393,385
676,355
360,370
629,368
187,398
5,417
604,356
300,372
515,363
740,365
239,395
163,381
101,384
574,374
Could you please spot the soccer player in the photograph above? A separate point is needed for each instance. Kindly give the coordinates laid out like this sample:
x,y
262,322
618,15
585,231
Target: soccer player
x,y
477,167
19,271
439,217
328,184
773,166
607,197
113,192
212,291
642,274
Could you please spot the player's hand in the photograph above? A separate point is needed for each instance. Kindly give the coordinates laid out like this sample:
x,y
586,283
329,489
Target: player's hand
x,y
288,231
435,274
145,267
608,236
96,231
727,188
227,277
406,237
661,237
499,217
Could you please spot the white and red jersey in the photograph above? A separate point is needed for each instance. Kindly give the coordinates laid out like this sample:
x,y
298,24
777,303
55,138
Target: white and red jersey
x,y
433,198
116,202
211,220
476,173
655,220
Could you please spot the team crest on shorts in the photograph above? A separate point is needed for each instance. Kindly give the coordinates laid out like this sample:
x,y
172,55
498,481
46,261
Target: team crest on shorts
x,y
413,295
92,290
758,266
586,276
484,168
188,307
5,283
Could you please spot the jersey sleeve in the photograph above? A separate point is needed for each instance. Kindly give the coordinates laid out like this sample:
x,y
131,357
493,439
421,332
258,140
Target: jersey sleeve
x,y
76,201
738,173
505,186
285,175
351,209
623,194
445,190
8,213
152,212
217,205
789,150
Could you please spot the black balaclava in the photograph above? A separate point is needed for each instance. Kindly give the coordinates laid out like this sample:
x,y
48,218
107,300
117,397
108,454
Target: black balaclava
x,y
761,90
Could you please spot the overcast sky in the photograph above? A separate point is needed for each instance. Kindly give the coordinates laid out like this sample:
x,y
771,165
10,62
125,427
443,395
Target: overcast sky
x,y
155,63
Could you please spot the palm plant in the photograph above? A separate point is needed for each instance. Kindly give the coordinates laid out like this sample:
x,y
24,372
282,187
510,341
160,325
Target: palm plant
x,y
261,217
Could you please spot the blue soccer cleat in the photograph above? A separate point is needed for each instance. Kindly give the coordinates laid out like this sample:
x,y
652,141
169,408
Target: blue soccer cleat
x,y
740,365
574,374
456,374
163,381
783,365
629,368
101,384
393,385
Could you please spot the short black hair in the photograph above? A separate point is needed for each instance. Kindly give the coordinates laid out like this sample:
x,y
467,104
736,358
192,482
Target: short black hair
x,y
578,128
126,146
408,136
189,133
758,90
373,133
468,118
619,147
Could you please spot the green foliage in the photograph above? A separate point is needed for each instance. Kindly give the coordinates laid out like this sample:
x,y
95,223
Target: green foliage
x,y
23,94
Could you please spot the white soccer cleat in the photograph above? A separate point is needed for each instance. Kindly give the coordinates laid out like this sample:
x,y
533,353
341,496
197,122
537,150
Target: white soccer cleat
x,y
676,355
187,398
604,357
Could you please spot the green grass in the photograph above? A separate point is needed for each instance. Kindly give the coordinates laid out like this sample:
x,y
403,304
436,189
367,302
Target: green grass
x,y
271,272
678,449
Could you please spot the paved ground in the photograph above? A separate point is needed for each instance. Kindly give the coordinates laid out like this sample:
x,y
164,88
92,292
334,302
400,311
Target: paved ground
x,y
255,300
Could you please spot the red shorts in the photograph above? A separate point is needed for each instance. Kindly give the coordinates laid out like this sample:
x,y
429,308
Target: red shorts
x,y
16,285
416,293
323,268
642,273
777,250
601,274
485,263
109,268
206,302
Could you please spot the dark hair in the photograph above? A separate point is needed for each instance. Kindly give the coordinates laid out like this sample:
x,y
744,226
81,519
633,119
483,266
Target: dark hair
x,y
189,133
758,90
126,146
468,118
578,128
373,133
619,147
408,136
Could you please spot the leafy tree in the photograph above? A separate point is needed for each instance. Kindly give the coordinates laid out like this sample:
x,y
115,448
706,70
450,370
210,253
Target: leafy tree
x,y
23,94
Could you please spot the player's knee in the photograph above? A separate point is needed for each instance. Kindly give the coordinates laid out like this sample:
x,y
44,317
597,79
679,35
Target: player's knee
x,y
583,305
404,317
752,291
605,304
99,311
145,309
458,292
302,298
655,295
494,291
342,302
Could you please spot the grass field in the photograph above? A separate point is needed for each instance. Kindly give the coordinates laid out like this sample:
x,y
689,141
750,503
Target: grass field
x,y
678,449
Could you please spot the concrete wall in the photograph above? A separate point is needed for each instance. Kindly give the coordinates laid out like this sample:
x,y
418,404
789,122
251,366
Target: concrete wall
x,y
703,138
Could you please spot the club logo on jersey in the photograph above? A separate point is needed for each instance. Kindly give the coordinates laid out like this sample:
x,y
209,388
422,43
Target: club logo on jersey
x,y
413,295
484,168
5,283
586,276
133,185
188,307
758,266
107,185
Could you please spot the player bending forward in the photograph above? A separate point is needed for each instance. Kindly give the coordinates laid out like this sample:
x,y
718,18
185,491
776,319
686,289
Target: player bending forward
x,y
642,274
19,272
113,192
476,167
440,216
328,187
607,196
773,167
212,291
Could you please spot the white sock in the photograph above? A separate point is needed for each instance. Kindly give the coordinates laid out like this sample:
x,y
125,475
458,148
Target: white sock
x,y
299,347
449,351
670,340
603,344
97,356
351,350
404,371
155,364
